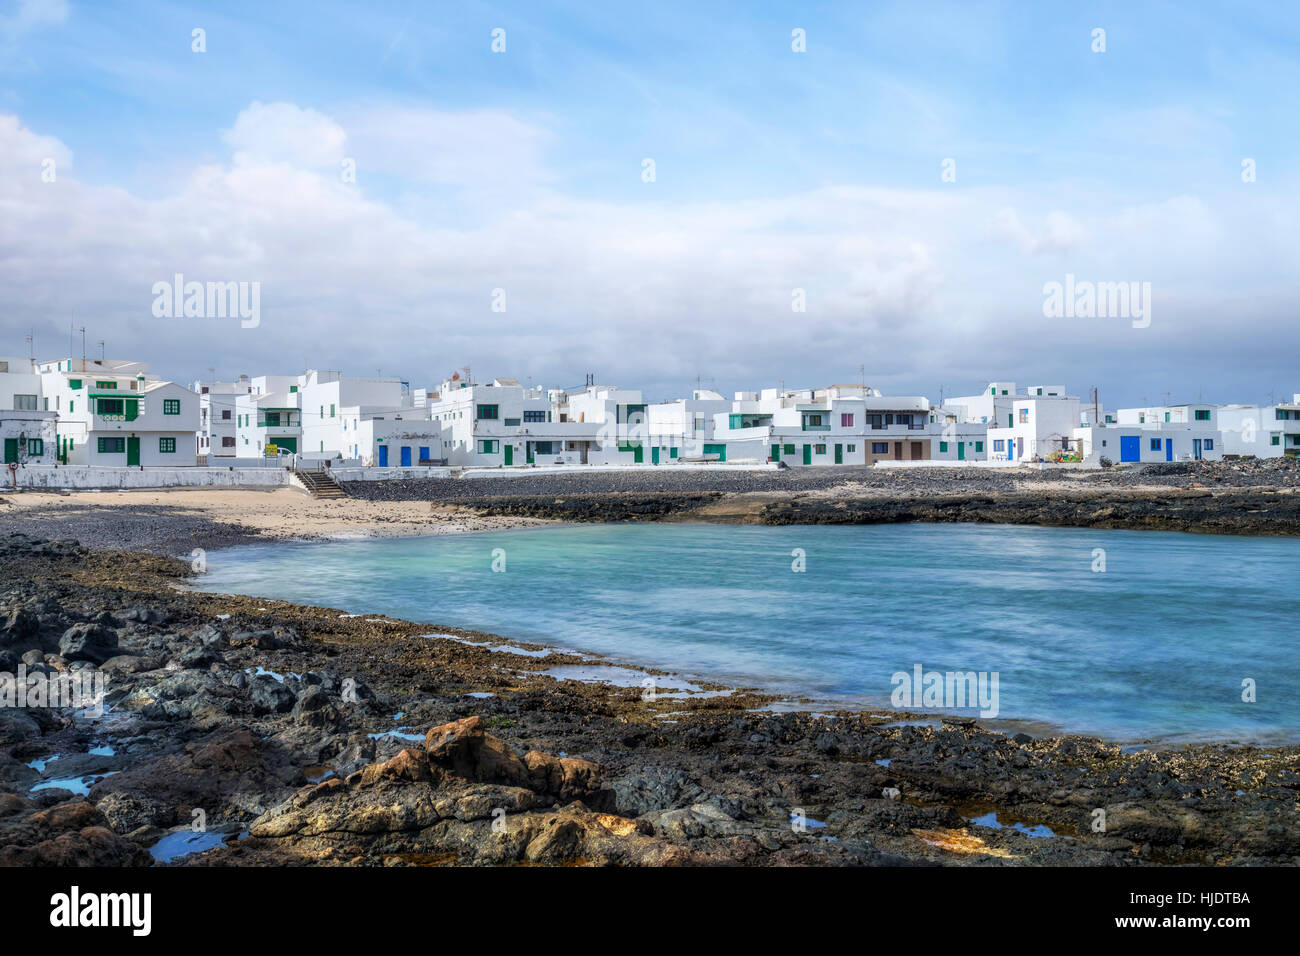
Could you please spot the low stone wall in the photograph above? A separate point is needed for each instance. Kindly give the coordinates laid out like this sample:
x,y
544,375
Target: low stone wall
x,y
387,474
94,476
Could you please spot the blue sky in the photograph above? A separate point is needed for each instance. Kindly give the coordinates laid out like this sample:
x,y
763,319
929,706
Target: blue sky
x,y
775,170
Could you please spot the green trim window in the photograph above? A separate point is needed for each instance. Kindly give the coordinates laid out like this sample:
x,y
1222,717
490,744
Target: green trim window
x,y
1277,439
535,415
107,386
787,450
110,406
979,447
292,389
171,406
331,410
35,447
943,446
1202,414
74,384
112,446
486,412
489,446
167,445
820,449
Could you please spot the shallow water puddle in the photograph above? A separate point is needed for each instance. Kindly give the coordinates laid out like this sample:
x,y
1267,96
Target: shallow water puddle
x,y
400,733
176,845
78,785
991,820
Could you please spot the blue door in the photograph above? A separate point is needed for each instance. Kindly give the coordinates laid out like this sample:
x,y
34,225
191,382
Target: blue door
x,y
1130,448
424,454
1196,448
406,456
1169,449
383,456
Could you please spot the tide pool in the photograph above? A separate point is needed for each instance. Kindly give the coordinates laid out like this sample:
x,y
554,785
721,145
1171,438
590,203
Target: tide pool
x,y
1155,646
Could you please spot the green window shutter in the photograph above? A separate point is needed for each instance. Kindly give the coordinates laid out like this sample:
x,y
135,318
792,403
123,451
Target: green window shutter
x,y
74,383
331,410
979,446
943,446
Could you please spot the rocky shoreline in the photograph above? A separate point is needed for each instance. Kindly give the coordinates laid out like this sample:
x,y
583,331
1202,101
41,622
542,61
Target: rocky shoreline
x,y
1255,497
304,736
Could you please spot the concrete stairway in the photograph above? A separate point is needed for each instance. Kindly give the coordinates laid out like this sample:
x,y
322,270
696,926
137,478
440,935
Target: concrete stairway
x,y
320,483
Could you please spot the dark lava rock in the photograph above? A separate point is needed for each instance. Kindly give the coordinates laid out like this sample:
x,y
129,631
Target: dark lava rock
x,y
269,696
88,642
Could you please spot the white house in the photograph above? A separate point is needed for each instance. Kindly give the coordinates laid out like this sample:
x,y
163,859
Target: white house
x,y
1172,432
1040,425
1264,431
268,417
322,396
217,432
504,424
396,438
684,429
833,425
27,428
113,412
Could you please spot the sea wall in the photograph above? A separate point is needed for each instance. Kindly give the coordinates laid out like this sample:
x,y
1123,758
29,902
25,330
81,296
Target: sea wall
x,y
95,476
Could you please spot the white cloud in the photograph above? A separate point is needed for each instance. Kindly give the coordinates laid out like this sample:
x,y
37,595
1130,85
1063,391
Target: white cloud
x,y
285,133
1059,232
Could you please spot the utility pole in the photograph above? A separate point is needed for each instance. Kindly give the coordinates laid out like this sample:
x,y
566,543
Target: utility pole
x,y
82,330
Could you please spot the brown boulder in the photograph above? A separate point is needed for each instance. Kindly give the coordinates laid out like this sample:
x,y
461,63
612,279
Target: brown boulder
x,y
567,778
465,749
408,766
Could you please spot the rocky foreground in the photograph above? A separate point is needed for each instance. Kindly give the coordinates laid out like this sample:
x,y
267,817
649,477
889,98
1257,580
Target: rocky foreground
x,y
248,732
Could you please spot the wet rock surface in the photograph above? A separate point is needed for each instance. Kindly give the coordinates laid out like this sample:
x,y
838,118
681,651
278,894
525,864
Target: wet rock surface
x,y
290,735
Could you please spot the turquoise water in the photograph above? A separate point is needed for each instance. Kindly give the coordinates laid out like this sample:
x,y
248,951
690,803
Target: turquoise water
x,y
1157,645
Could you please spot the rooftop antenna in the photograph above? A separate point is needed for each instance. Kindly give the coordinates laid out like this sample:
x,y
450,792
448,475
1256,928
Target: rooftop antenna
x,y
31,344
82,330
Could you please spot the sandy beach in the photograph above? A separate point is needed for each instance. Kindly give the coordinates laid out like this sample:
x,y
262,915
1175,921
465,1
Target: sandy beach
x,y
171,520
